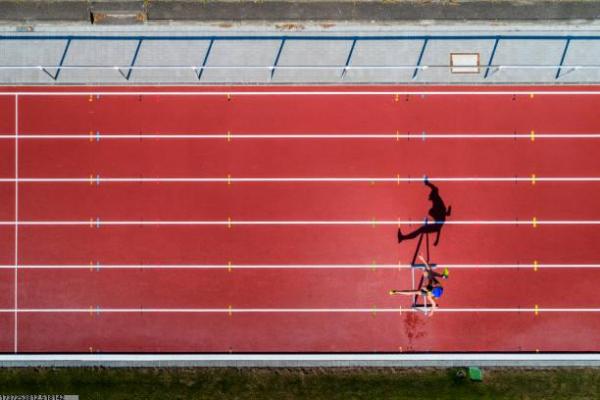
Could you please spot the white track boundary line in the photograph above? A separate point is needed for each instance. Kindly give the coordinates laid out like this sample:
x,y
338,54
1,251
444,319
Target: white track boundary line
x,y
99,267
16,238
100,310
97,179
399,136
97,223
261,359
310,93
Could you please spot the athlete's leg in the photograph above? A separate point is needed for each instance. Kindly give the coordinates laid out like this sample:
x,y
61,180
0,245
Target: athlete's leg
x,y
435,274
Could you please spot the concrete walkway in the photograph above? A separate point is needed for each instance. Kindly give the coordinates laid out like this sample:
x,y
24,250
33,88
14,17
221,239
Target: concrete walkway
x,y
267,54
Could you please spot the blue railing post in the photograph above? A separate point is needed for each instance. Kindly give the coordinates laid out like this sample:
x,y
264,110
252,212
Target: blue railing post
x,y
414,76
562,58
491,60
349,58
276,61
135,55
62,60
205,60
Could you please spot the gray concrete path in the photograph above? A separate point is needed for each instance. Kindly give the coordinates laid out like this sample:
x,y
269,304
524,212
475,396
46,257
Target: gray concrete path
x,y
269,54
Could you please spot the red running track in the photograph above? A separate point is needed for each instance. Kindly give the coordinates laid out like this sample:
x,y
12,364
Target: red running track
x,y
133,308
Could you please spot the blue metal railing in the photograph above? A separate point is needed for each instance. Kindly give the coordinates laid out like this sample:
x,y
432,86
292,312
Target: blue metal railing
x,y
353,39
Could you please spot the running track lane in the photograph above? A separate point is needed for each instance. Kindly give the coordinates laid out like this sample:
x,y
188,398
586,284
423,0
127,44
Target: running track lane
x,y
7,234
100,288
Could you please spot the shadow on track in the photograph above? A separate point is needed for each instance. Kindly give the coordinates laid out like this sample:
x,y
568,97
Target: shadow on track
x,y
438,212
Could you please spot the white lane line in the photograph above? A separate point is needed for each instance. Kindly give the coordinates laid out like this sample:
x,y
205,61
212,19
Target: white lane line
x,y
96,179
99,310
16,239
310,93
293,266
97,223
399,136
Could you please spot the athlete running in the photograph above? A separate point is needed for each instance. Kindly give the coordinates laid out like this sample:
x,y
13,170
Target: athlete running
x,y
431,287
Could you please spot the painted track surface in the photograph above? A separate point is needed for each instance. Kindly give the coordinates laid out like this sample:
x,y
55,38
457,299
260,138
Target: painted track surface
x,y
104,309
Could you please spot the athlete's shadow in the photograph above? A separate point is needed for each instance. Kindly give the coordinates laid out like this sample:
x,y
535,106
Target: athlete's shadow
x,y
438,212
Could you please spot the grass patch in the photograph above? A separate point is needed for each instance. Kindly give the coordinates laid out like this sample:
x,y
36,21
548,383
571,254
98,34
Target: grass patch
x,y
309,383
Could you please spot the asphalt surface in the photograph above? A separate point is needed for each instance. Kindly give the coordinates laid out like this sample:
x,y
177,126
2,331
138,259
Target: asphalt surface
x,y
276,10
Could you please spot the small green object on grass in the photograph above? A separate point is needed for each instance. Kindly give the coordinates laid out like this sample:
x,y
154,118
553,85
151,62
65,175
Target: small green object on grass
x,y
475,374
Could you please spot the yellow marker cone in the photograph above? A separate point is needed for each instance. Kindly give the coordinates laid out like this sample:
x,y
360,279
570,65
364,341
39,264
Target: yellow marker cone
x,y
532,135
229,266
534,222
536,310
230,312
229,222
535,265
